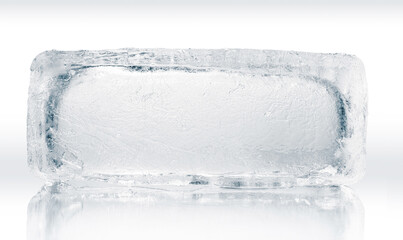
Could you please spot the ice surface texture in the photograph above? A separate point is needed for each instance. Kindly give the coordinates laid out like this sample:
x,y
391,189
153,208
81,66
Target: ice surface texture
x,y
232,118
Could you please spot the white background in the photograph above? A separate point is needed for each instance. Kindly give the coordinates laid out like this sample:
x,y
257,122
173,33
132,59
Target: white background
x,y
372,32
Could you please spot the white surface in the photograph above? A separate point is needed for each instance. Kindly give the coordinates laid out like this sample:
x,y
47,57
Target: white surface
x,y
372,33
314,213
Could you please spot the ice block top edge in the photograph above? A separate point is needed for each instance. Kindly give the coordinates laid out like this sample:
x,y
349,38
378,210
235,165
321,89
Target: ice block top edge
x,y
266,61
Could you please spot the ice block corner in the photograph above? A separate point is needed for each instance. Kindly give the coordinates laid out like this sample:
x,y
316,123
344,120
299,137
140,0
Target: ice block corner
x,y
230,118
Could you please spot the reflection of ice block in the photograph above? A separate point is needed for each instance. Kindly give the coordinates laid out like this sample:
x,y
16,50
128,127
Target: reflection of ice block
x,y
61,212
233,118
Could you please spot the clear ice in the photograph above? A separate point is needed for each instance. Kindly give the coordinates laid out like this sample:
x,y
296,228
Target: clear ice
x,y
232,118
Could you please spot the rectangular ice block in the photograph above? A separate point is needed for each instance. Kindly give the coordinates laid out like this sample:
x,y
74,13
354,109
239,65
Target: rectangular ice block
x,y
231,117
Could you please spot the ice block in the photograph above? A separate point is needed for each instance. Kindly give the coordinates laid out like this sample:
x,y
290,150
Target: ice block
x,y
231,117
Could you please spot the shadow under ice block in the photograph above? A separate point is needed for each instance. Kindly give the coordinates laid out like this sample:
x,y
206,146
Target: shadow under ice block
x,y
230,118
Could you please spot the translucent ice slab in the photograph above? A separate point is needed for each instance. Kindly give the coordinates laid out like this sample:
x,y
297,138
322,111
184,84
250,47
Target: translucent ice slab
x,y
233,118
61,212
